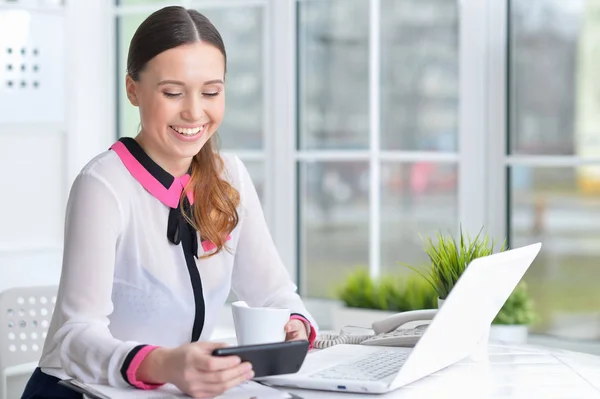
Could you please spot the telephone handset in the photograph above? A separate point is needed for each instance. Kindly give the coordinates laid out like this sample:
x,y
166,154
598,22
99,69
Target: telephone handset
x,y
402,329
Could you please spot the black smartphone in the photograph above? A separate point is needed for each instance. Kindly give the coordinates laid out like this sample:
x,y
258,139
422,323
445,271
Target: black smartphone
x,y
270,359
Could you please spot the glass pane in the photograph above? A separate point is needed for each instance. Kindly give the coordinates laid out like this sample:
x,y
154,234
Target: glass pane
x,y
128,115
554,77
334,223
560,207
417,199
242,30
333,68
419,75
256,169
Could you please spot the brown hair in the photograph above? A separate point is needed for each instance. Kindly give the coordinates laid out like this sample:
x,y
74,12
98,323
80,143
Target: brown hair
x,y
214,213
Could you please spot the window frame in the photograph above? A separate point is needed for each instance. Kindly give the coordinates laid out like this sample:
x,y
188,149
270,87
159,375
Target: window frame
x,y
469,158
480,57
482,157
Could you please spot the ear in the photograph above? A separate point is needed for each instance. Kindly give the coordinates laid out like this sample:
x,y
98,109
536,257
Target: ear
x,y
130,87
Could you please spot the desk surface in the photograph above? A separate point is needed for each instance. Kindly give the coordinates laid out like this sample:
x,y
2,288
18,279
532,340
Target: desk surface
x,y
504,372
515,372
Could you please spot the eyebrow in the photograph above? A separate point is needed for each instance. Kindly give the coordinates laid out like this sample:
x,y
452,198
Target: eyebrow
x,y
180,83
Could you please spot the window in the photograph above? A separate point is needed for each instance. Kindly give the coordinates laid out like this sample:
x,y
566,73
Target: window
x,y
368,123
554,158
377,134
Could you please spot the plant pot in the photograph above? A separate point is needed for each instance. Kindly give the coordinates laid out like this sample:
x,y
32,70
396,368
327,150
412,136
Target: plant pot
x,y
440,302
345,316
513,334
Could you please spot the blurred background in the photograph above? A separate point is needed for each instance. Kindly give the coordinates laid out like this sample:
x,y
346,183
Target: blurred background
x,y
365,124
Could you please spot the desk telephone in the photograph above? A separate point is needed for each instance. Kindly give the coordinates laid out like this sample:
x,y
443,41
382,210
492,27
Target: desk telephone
x,y
402,329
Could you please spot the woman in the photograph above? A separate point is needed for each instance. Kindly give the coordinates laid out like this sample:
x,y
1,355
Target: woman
x,y
159,229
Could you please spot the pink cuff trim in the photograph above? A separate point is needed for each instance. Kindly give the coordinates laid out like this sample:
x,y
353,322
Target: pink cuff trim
x,y
135,364
312,334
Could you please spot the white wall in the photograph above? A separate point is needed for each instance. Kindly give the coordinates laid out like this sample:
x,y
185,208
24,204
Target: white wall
x,y
49,132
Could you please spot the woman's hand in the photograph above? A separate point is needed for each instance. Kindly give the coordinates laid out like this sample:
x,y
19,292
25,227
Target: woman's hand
x,y
193,369
295,330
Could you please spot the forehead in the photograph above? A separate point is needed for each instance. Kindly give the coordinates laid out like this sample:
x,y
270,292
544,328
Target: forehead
x,y
191,63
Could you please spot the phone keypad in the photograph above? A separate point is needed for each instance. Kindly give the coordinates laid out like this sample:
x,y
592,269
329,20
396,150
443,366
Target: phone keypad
x,y
399,337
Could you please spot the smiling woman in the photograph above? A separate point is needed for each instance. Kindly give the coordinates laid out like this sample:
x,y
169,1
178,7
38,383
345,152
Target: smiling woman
x,y
123,281
177,82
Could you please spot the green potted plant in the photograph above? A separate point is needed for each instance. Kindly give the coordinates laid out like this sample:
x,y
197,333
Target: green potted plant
x,y
365,299
449,257
513,320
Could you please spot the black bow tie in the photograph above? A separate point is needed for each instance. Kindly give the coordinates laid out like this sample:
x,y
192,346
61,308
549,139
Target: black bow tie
x,y
179,230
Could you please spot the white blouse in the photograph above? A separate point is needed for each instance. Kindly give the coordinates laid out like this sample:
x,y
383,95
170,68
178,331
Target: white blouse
x,y
125,284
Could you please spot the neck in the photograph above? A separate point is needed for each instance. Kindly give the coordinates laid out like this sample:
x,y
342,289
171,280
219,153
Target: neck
x,y
174,166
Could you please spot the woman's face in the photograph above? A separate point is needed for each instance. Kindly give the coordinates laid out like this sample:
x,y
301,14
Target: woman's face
x,y
181,97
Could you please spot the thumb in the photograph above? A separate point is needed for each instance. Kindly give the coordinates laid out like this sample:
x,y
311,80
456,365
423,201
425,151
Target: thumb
x,y
210,346
291,326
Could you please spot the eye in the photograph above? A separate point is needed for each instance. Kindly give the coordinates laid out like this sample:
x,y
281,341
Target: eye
x,y
171,95
211,94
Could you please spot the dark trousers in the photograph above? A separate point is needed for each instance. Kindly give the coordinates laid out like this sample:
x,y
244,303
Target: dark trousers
x,y
44,386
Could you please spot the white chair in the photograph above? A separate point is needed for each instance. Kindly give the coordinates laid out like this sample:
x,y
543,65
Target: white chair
x,y
25,317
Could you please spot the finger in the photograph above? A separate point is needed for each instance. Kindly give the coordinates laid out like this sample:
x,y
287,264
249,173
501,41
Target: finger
x,y
292,337
206,362
289,327
293,325
296,330
210,346
223,376
219,388
302,334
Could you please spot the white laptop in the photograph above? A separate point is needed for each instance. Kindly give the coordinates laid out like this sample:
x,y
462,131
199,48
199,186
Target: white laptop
x,y
453,334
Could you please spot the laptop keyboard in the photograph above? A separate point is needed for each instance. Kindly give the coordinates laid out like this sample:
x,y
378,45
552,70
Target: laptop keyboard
x,y
374,367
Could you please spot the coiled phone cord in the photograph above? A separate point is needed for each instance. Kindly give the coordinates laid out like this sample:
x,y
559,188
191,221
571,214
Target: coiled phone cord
x,y
344,337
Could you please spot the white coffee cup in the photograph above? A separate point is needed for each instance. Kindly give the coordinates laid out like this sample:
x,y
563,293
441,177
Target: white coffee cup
x,y
258,325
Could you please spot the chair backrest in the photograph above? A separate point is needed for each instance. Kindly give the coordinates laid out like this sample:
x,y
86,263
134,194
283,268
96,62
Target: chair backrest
x,y
25,314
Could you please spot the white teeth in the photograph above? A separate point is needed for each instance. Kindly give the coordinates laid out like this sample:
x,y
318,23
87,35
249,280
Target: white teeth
x,y
187,131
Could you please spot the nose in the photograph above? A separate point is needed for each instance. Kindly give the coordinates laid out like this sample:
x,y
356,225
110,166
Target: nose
x,y
193,110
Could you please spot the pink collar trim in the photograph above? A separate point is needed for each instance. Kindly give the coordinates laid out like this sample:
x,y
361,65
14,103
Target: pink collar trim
x,y
168,196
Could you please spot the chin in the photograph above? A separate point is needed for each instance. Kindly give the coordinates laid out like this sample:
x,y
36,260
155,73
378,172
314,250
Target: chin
x,y
195,148
190,150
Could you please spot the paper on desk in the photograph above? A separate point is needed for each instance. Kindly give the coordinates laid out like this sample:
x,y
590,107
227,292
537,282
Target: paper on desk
x,y
254,390
247,390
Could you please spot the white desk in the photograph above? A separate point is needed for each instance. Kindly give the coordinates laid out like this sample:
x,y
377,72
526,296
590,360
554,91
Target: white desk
x,y
514,372
526,372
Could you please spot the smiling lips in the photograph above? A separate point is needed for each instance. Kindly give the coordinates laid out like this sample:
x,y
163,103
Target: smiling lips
x,y
189,131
